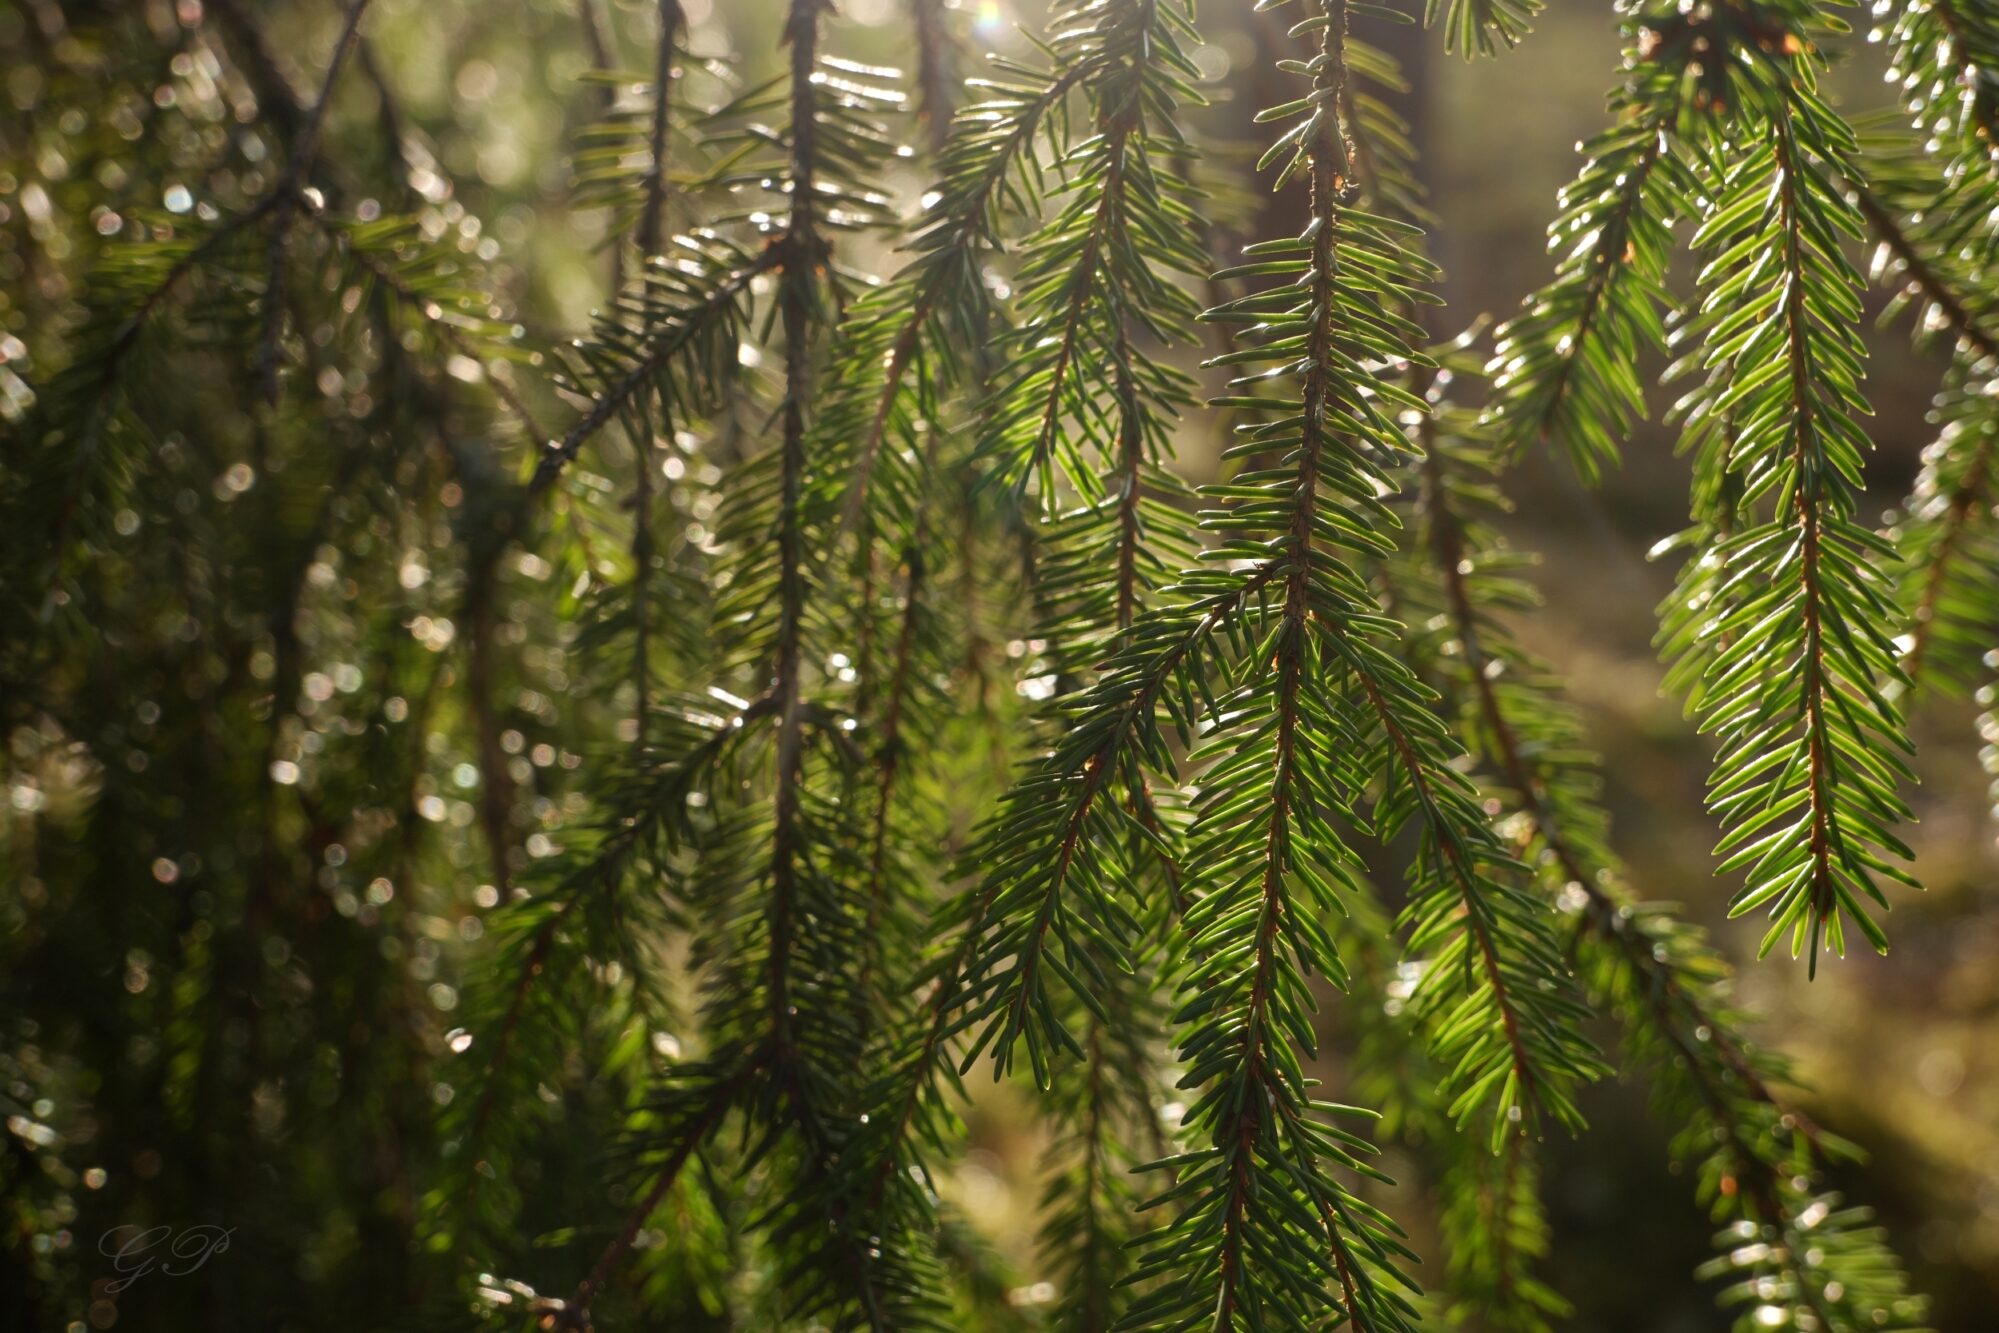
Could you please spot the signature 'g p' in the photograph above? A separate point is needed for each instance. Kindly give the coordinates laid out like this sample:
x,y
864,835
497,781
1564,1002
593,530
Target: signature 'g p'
x,y
136,1251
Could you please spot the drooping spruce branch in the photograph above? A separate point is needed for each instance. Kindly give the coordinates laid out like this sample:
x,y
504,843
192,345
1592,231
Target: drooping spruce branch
x,y
788,1016
905,351
1939,237
1667,988
1384,176
1097,277
1941,184
1566,368
762,842
72,479
912,340
892,883
1207,749
1494,1228
1313,715
1100,273
539,989
1809,761
915,341
692,307
1105,1114
787,967
905,346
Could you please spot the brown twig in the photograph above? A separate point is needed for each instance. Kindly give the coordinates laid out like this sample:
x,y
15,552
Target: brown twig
x,y
1920,272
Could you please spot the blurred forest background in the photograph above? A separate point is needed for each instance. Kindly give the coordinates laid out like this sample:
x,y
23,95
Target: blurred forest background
x,y
1900,1053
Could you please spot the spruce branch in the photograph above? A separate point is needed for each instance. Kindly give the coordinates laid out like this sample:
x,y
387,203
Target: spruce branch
x,y
804,249
1107,258
712,1099
1481,27
1091,279
895,750
1493,1235
1922,273
1089,1204
89,389
1805,779
784,946
933,313
549,934
1052,842
597,42
1946,60
1668,989
933,528
1310,680
1565,369
1948,539
1942,185
694,318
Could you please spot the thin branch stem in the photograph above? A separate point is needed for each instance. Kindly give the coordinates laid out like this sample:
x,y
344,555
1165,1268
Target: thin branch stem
x,y
304,149
598,44
889,754
642,446
720,298
274,92
1808,500
1919,271
576,1315
933,73
803,250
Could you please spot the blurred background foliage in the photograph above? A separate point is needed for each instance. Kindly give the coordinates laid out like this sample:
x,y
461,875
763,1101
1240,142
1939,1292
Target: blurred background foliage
x,y
301,1106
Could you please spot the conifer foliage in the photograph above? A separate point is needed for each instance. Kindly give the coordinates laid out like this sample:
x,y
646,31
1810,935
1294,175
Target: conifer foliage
x,y
582,878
